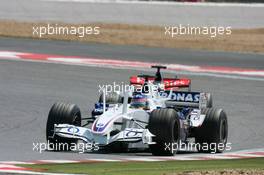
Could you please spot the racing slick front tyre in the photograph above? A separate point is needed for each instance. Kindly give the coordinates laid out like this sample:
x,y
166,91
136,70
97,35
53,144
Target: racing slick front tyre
x,y
61,113
211,137
111,98
165,125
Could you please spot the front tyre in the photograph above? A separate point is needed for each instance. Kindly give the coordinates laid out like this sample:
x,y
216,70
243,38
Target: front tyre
x,y
212,135
62,113
165,125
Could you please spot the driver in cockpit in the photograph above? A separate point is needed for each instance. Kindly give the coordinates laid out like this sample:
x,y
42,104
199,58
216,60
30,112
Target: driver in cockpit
x,y
139,101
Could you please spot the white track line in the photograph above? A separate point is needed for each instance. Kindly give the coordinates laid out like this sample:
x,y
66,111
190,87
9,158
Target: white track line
x,y
31,172
103,160
16,162
253,153
204,4
227,72
149,70
143,159
58,161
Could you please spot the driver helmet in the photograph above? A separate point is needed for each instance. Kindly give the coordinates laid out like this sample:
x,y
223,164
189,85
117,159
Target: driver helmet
x,y
139,101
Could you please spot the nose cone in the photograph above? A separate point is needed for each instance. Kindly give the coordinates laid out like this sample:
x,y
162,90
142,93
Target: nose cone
x,y
100,126
105,122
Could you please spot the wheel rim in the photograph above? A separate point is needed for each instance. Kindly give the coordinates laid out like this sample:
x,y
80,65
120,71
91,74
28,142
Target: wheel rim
x,y
75,119
175,131
223,131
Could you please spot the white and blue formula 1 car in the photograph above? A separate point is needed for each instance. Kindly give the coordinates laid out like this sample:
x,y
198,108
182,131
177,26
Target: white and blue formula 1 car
x,y
159,117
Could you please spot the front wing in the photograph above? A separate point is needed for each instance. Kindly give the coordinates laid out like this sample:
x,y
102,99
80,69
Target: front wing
x,y
88,136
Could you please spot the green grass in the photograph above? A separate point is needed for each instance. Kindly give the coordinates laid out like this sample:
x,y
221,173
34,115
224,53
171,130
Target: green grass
x,y
150,168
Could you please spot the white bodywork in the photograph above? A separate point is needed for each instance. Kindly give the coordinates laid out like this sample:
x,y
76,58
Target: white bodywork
x,y
129,123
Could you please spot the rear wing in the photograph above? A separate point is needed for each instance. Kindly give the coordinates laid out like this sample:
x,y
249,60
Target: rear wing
x,y
168,82
186,99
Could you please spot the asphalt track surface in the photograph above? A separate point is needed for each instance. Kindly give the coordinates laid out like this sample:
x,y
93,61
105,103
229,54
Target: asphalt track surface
x,y
28,89
82,11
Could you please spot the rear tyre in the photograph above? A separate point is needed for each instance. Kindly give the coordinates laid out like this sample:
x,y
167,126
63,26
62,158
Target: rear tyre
x,y
212,135
111,98
61,113
165,125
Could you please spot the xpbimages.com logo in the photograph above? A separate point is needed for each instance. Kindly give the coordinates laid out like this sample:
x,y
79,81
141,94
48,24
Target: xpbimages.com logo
x,y
122,87
78,147
211,31
79,31
206,147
